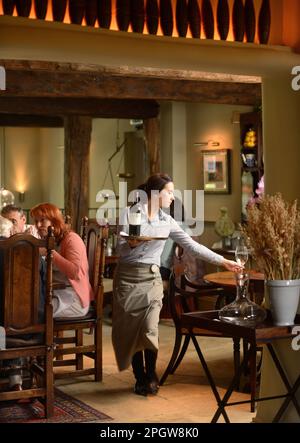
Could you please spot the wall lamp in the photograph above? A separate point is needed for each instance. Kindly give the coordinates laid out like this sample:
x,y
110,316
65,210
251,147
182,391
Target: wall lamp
x,y
210,143
21,196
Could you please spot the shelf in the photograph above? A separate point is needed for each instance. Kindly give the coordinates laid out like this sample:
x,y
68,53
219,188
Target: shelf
x,y
254,155
255,169
249,150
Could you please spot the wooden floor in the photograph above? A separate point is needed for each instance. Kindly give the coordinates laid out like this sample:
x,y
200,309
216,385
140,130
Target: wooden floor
x,y
185,397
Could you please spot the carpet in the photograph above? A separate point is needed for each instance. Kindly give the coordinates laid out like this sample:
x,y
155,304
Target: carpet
x,y
67,409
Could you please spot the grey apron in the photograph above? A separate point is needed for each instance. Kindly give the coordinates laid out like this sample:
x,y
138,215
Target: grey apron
x,y
137,302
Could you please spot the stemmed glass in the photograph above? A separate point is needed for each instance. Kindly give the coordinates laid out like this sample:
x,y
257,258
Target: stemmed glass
x,y
241,252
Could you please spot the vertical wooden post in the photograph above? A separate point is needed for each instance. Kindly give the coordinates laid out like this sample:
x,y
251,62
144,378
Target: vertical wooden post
x,y
152,134
77,149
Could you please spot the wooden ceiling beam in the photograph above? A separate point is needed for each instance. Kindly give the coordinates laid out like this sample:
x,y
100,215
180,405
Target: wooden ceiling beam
x,y
30,121
96,108
53,80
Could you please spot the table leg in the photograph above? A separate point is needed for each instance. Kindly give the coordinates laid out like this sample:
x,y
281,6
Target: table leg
x,y
211,380
223,403
253,375
236,357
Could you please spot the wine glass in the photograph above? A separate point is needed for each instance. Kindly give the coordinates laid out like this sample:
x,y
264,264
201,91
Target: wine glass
x,y
241,253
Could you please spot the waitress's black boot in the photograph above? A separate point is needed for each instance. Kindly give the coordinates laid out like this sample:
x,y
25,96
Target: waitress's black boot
x,y
137,363
150,363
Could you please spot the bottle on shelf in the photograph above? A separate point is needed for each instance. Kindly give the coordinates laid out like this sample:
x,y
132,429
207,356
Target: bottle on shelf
x,y
135,216
250,138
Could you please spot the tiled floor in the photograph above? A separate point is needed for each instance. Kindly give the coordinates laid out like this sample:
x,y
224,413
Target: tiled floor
x,y
184,398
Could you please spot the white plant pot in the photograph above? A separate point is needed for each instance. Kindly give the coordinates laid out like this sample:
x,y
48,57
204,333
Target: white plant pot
x,y
284,300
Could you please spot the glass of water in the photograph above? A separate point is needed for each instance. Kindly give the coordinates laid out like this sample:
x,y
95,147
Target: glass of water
x,y
241,252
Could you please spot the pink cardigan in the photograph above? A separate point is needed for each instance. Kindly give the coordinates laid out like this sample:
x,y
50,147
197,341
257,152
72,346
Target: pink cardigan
x,y
72,261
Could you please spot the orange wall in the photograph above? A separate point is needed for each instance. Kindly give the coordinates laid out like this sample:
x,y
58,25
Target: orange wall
x,y
291,21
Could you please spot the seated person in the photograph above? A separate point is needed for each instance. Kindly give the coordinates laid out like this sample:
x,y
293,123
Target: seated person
x,y
70,264
16,215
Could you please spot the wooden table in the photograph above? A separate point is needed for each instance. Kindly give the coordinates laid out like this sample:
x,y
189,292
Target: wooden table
x,y
227,278
264,333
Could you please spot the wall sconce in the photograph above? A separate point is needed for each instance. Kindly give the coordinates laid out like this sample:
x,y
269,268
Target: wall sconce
x,y
209,143
21,197
235,118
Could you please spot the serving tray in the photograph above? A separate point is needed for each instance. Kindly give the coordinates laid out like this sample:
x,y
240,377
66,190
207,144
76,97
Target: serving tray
x,y
142,237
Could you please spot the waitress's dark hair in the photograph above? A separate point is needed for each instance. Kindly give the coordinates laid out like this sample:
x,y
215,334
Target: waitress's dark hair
x,y
155,182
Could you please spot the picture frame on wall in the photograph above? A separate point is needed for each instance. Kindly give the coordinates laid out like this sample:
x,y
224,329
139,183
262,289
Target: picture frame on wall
x,y
216,171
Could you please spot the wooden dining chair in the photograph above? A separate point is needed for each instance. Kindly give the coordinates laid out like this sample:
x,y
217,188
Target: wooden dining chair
x,y
182,300
71,345
26,316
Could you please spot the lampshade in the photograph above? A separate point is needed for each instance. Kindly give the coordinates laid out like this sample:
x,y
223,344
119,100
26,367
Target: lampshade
x,y
6,198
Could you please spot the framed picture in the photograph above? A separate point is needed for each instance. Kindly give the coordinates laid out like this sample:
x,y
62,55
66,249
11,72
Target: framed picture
x,y
216,171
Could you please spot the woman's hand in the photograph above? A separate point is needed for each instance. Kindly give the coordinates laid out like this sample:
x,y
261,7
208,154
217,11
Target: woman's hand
x,y
232,266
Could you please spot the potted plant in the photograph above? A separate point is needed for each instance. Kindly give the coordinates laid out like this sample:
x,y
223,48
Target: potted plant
x,y
272,233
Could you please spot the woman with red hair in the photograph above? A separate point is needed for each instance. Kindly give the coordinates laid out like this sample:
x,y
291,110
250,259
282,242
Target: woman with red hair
x,y
70,265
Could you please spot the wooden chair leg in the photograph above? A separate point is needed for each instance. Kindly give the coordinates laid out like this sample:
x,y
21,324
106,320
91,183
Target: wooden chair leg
x,y
182,352
49,376
98,351
79,342
175,352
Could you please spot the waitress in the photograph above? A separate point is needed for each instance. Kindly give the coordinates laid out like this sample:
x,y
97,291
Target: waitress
x,y
138,289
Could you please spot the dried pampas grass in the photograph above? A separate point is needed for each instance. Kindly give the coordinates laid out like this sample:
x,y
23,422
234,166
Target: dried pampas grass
x,y
273,236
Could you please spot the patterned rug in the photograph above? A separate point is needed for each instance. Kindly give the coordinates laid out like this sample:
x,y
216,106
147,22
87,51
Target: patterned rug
x,y
67,409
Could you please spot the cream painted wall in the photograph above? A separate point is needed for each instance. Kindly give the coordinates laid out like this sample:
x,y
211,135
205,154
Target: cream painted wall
x,y
213,122
182,125
52,165
166,137
103,144
281,113
35,161
179,145
174,142
22,158
41,151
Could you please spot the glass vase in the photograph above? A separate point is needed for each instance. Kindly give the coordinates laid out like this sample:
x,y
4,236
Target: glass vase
x,y
242,311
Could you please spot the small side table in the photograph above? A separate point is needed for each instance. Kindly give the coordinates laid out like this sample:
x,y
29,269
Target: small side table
x,y
265,333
